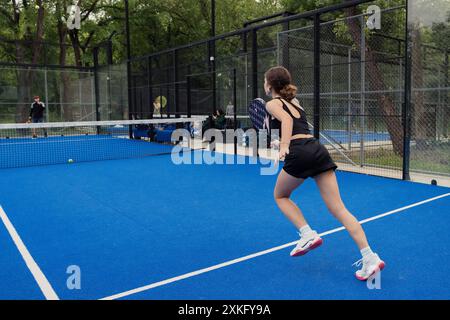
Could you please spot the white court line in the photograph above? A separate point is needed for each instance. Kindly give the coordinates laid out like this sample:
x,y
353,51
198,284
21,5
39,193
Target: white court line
x,y
37,273
257,254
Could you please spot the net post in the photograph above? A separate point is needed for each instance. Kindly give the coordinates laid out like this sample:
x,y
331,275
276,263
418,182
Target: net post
x,y
316,76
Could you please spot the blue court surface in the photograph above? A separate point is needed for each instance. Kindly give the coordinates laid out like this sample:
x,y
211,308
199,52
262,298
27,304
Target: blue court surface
x,y
145,228
25,152
342,136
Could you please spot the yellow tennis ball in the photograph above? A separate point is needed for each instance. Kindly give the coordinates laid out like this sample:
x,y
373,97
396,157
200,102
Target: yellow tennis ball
x,y
70,161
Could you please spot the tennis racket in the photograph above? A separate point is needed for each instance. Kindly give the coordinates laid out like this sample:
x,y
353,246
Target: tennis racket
x,y
258,114
260,119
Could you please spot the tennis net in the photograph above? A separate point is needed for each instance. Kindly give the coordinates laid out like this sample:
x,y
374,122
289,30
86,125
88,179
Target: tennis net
x,y
35,144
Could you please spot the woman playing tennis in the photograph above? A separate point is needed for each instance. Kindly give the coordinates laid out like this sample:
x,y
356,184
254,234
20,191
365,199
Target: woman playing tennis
x,y
305,157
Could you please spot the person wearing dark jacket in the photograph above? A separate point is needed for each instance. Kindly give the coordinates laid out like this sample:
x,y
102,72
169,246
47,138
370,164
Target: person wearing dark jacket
x,y
37,114
216,121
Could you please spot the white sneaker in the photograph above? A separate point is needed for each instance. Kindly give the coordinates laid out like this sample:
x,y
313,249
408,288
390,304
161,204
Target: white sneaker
x,y
307,242
371,264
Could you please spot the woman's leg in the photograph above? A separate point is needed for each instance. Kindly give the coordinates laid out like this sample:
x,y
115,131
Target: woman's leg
x,y
283,189
329,190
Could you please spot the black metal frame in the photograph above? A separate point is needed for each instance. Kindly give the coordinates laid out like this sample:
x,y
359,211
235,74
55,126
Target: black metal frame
x,y
239,32
235,108
129,78
407,103
316,80
96,85
251,29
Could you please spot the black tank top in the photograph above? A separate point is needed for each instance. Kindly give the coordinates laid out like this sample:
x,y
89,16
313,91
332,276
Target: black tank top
x,y
299,125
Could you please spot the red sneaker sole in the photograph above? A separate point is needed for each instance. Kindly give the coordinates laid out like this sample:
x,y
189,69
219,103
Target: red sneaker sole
x,y
380,267
316,244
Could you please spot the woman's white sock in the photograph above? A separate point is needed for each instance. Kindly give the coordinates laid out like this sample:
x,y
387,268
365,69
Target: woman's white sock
x,y
366,251
304,230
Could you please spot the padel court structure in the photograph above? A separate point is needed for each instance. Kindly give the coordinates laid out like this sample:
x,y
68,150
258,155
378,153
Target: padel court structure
x,y
98,190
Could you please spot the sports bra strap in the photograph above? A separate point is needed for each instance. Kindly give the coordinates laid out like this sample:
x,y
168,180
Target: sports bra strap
x,y
300,125
289,111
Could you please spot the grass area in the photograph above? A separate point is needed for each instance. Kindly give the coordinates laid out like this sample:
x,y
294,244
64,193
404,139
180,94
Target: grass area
x,y
434,158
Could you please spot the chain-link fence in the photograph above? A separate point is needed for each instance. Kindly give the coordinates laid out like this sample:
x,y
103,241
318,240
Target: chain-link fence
x,y
74,84
112,92
359,103
430,114
68,93
362,91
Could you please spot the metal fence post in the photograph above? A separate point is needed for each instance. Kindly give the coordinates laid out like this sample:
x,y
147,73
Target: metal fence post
x,y
188,96
149,85
177,86
235,109
96,85
47,113
349,97
363,94
254,64
406,110
285,62
316,81
445,107
129,85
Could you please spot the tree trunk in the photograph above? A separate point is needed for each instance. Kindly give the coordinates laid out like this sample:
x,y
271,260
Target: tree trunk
x,y
73,35
387,107
421,121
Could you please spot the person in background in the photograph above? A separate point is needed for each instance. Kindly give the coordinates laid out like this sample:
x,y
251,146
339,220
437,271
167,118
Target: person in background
x,y
219,119
216,120
37,114
230,109
157,107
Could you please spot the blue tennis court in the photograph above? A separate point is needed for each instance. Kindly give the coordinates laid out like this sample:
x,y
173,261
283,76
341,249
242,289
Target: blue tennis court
x,y
343,136
78,148
145,228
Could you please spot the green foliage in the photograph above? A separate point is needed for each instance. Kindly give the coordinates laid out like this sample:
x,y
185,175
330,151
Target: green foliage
x,y
160,24
155,24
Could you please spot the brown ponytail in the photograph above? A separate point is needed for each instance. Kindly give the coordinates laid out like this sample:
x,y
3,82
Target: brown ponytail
x,y
280,80
288,92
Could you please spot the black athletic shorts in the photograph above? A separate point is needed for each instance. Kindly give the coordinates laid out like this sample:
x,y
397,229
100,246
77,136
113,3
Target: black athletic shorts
x,y
307,158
